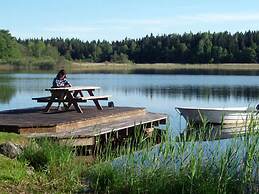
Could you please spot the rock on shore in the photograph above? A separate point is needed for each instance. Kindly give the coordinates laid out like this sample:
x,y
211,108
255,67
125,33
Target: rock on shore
x,y
10,149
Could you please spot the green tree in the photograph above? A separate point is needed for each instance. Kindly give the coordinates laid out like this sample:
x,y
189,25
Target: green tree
x,y
51,51
204,49
249,55
222,47
36,48
107,50
9,48
120,58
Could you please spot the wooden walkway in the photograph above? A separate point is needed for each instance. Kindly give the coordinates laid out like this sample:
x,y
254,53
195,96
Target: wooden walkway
x,y
85,127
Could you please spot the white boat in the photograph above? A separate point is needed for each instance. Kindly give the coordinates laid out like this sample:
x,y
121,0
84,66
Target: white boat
x,y
215,115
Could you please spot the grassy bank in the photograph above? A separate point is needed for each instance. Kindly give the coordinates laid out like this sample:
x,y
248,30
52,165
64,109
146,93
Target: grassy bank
x,y
43,167
188,166
117,67
15,138
33,65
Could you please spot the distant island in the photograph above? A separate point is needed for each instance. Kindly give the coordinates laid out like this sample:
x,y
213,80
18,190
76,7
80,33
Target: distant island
x,y
188,48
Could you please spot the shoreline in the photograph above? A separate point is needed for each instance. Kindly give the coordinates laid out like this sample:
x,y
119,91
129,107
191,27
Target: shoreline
x,y
232,66
77,67
166,68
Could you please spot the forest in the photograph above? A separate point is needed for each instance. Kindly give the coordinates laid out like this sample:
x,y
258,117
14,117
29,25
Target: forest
x,y
192,48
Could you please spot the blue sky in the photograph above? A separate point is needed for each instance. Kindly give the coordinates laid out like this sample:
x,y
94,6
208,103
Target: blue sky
x,y
117,19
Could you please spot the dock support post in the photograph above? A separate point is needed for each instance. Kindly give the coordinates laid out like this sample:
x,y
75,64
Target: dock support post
x,y
106,137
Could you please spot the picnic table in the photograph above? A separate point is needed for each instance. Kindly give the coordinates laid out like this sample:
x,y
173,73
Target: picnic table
x,y
72,96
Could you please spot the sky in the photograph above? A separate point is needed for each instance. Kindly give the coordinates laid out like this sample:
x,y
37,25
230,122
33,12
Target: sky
x,y
117,19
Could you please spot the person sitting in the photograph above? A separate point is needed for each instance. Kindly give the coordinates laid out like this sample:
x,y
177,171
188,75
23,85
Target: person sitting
x,y
60,80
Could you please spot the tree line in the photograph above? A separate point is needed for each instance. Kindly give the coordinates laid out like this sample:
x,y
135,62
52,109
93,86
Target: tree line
x,y
205,47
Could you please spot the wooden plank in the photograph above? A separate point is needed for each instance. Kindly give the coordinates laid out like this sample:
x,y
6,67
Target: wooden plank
x,y
74,88
59,100
78,99
32,119
50,102
134,121
42,98
96,102
86,141
57,89
94,97
105,128
24,130
97,120
72,100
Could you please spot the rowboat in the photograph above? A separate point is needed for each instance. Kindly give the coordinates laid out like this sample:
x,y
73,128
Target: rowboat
x,y
215,115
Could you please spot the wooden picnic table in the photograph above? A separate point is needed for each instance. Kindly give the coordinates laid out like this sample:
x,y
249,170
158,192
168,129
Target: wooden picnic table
x,y
72,95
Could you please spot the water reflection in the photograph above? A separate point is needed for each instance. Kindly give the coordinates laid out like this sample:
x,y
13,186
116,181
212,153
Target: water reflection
x,y
183,71
212,132
186,87
196,71
198,92
7,90
6,93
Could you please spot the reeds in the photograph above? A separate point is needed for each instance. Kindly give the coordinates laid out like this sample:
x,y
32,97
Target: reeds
x,y
190,164
185,165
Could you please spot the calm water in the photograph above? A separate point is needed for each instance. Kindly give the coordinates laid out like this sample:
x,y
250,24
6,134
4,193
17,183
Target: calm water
x,y
158,93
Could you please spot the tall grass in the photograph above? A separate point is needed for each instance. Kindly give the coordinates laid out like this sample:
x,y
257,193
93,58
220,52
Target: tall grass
x,y
188,164
191,165
55,167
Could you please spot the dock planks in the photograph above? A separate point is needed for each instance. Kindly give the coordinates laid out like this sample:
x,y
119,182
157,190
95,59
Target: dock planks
x,y
33,122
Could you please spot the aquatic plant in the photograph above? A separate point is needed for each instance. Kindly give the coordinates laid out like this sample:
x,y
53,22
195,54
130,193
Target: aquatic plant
x,y
187,165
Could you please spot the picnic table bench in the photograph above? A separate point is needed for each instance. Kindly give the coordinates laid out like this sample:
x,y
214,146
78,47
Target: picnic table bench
x,y
71,95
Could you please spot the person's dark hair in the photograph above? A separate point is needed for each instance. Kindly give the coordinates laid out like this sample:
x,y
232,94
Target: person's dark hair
x,y
61,73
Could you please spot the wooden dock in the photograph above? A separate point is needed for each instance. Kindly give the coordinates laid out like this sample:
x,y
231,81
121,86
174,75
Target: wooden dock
x,y
82,128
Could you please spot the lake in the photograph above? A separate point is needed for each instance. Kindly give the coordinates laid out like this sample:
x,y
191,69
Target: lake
x,y
156,92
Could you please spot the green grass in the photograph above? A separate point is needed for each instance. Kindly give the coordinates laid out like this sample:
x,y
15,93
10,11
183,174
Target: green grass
x,y
55,166
188,165
13,137
11,170
192,166
44,166
13,175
